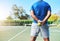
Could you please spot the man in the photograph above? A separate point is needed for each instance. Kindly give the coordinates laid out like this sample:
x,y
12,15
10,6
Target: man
x,y
40,12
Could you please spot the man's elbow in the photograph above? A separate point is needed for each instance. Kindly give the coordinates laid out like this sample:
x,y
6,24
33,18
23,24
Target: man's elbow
x,y
31,13
50,13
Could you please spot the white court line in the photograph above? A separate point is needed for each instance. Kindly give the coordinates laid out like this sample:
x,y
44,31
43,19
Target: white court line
x,y
4,28
18,34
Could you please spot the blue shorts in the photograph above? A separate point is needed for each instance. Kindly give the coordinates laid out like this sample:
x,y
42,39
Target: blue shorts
x,y
44,30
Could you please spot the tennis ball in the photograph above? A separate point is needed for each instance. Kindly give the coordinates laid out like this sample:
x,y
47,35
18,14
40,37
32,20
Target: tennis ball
x,y
39,24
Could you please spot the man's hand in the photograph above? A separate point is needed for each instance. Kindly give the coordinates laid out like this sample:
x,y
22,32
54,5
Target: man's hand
x,y
43,22
40,23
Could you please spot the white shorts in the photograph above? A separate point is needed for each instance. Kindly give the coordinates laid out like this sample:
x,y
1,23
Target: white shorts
x,y
44,30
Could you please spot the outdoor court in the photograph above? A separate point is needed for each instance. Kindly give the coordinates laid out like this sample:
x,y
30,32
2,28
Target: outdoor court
x,y
22,33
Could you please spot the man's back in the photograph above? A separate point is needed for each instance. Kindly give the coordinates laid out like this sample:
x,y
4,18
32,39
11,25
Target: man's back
x,y
40,9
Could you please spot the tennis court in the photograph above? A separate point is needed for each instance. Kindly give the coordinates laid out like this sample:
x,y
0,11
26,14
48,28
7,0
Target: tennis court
x,y
22,33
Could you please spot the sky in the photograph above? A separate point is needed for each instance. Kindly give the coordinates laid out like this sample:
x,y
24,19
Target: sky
x,y
6,5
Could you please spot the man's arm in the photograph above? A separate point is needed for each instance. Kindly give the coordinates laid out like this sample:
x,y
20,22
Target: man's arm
x,y
47,16
33,16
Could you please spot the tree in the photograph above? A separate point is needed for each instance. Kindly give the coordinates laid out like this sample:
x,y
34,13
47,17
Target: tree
x,y
9,18
19,13
15,10
53,17
23,14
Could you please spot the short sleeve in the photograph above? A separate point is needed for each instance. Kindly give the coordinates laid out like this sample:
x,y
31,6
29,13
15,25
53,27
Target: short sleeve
x,y
32,8
49,8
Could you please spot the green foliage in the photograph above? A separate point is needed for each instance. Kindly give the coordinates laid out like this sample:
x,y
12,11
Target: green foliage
x,y
50,22
9,18
16,22
19,12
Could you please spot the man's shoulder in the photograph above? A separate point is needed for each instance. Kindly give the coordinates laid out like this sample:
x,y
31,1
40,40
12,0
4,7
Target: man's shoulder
x,y
46,3
36,3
